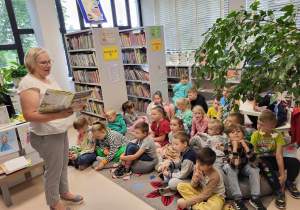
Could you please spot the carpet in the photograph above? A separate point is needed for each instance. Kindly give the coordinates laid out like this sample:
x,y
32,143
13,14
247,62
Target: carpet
x,y
144,187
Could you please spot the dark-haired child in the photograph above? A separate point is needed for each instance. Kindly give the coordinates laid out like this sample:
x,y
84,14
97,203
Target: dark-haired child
x,y
206,189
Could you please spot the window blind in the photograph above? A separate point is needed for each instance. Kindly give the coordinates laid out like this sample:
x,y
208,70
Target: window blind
x,y
296,4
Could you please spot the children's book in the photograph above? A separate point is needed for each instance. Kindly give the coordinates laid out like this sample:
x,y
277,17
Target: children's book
x,y
4,117
234,75
14,165
57,100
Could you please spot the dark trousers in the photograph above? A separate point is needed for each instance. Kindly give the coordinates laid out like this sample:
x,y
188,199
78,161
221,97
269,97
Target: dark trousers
x,y
85,159
132,148
269,165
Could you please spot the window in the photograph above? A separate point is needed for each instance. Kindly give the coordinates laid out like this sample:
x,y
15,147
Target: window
x,y
184,25
16,33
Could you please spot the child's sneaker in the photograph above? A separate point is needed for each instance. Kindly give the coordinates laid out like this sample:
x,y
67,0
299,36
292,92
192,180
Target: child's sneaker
x,y
292,189
164,189
122,172
119,169
256,203
182,199
239,204
280,200
161,175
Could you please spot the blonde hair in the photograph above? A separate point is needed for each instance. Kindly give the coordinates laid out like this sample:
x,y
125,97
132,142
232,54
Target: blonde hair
x,y
184,76
199,108
184,102
193,90
218,124
30,57
162,111
110,112
99,127
80,122
268,116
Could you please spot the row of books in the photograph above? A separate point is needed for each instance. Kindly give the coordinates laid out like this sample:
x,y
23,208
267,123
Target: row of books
x,y
96,94
82,59
80,42
136,57
86,76
142,90
177,72
141,105
96,107
90,119
132,39
207,76
136,75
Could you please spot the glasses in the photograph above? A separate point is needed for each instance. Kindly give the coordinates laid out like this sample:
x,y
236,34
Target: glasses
x,y
44,63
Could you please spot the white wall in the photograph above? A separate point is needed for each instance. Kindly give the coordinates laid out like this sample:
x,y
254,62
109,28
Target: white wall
x,y
46,29
236,4
147,12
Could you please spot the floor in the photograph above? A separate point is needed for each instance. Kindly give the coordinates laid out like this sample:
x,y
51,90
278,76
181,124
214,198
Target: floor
x,y
98,192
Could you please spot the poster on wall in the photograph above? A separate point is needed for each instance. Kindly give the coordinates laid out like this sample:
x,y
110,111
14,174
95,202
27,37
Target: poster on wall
x,y
23,131
9,142
92,11
4,117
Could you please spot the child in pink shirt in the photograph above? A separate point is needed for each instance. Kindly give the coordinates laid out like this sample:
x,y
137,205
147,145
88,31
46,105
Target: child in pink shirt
x,y
200,121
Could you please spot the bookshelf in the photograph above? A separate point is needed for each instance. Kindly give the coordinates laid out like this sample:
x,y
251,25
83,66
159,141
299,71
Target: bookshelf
x,y
145,68
92,71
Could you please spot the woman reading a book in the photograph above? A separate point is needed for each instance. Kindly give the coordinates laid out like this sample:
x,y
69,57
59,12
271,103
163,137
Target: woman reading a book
x,y
48,131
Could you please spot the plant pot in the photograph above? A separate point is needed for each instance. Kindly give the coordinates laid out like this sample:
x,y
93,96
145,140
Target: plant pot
x,y
16,81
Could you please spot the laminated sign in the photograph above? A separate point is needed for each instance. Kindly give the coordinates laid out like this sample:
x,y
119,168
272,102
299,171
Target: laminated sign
x,y
156,45
110,53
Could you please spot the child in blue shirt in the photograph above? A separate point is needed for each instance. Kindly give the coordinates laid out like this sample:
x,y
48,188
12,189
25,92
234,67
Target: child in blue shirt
x,y
181,89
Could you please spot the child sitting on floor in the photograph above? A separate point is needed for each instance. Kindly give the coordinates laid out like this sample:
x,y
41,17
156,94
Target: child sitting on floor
x,y
130,116
197,99
181,89
227,107
234,118
175,172
240,157
112,144
184,111
212,112
200,121
83,154
116,122
142,148
206,189
160,127
268,145
158,100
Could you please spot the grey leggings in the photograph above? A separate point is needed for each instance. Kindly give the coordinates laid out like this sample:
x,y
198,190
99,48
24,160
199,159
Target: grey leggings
x,y
54,150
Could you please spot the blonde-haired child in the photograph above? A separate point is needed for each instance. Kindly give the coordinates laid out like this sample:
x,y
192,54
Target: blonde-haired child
x,y
181,89
160,127
130,116
158,100
116,122
200,121
184,111
213,111
112,144
226,107
83,154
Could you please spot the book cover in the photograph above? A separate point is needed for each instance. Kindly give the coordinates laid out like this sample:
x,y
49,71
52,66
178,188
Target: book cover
x,y
57,100
3,169
92,11
4,117
9,142
234,75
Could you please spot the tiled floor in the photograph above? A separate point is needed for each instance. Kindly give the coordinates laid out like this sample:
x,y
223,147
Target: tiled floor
x,y
98,192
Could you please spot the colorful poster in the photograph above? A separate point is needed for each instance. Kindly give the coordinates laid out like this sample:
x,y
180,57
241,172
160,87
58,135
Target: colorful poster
x,y
92,11
110,53
155,32
23,131
108,36
4,117
9,142
156,45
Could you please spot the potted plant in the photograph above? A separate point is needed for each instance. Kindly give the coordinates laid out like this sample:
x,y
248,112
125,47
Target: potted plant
x,y
264,46
16,72
4,88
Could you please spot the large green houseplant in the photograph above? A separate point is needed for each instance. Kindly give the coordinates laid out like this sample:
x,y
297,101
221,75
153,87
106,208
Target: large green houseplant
x,y
16,72
271,60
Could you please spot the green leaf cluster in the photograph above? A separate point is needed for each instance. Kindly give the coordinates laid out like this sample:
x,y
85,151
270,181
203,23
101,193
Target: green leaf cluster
x,y
267,49
14,71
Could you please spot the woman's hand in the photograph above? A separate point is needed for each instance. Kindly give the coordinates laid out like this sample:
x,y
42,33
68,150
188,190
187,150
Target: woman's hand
x,y
66,113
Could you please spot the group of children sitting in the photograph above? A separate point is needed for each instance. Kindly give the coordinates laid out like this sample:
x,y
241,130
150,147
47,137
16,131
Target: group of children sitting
x,y
192,149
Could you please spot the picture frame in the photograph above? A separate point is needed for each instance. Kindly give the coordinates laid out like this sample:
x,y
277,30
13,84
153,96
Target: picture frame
x,y
92,11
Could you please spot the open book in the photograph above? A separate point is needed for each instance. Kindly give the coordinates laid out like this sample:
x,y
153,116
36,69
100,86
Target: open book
x,y
13,165
56,100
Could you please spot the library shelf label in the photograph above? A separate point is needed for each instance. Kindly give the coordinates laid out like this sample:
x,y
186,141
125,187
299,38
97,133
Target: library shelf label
x,y
110,53
155,32
156,45
108,36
